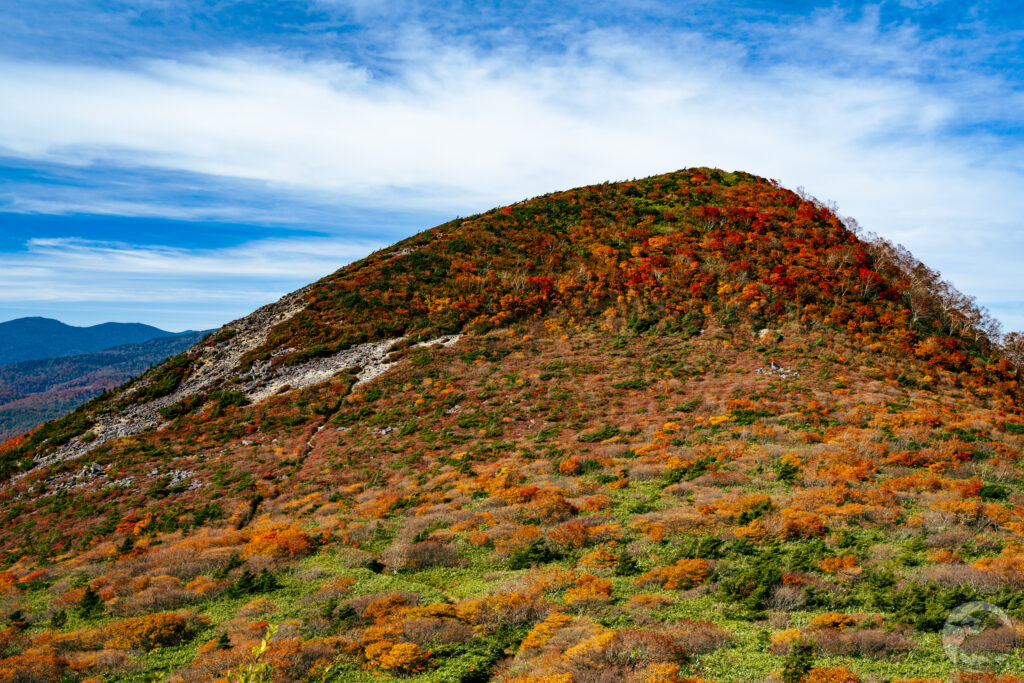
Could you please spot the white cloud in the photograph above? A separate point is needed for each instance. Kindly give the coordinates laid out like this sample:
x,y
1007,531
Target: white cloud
x,y
458,130
203,288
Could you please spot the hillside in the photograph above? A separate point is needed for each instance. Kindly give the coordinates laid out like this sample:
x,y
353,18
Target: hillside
x,y
35,338
34,391
686,428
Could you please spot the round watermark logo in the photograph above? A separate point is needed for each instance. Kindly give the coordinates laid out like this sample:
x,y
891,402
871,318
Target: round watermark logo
x,y
978,636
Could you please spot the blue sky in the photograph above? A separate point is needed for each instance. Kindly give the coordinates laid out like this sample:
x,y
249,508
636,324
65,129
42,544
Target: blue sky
x,y
182,163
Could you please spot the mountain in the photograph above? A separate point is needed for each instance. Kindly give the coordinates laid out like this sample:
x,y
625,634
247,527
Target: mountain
x,y
34,391
34,338
694,427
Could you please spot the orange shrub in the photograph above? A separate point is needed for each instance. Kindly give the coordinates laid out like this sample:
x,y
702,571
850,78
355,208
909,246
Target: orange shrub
x,y
377,507
404,657
780,640
518,539
549,678
433,610
204,585
599,559
32,667
943,556
799,524
8,583
478,538
1009,568
839,674
152,631
650,601
588,591
596,503
681,575
278,540
386,607
571,534
754,531
512,608
831,565
570,465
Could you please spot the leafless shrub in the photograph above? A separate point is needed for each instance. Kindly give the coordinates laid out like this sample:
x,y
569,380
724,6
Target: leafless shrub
x,y
954,538
992,641
420,525
646,472
256,608
683,488
698,637
106,660
435,631
874,643
364,533
722,478
954,575
311,654
417,555
357,559
787,598
155,599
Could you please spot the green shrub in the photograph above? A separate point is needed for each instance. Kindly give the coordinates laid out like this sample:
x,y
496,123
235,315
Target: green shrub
x,y
165,380
993,492
752,584
537,552
90,605
799,661
605,432
182,407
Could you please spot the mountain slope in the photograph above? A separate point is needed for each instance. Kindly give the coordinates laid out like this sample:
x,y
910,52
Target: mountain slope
x,y
685,426
34,391
35,338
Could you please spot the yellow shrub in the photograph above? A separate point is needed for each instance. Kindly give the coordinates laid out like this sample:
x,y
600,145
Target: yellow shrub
x,y
403,657
785,637
595,644
832,620
589,590
543,631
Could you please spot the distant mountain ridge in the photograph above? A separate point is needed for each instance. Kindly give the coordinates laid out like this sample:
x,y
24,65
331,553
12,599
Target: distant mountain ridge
x,y
36,337
34,391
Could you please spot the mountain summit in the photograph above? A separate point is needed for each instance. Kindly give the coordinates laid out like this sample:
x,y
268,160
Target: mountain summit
x,y
688,428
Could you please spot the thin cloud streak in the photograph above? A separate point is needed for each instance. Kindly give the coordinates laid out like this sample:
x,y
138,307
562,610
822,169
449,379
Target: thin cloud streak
x,y
239,279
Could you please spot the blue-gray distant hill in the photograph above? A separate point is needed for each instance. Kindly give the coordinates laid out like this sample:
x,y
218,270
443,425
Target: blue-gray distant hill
x,y
32,338
34,391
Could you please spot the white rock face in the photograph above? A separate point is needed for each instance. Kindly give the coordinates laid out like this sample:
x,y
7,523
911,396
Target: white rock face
x,y
214,368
